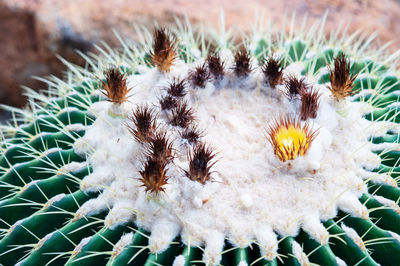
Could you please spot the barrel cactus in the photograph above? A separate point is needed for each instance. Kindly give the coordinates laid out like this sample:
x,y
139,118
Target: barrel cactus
x,y
189,149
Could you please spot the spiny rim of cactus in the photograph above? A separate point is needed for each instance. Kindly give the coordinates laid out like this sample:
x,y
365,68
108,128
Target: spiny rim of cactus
x,y
108,192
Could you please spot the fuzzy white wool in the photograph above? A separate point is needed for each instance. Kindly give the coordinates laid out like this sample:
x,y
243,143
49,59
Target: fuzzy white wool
x,y
162,234
386,146
93,206
252,186
71,167
299,254
16,224
98,179
246,200
387,202
327,116
379,178
68,110
241,238
50,151
214,246
179,261
81,244
267,241
320,144
349,202
316,230
350,232
43,240
40,135
380,128
30,184
81,147
124,241
53,200
120,213
76,127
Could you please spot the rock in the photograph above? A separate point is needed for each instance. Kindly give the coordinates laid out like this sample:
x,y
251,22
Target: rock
x,y
33,31
18,46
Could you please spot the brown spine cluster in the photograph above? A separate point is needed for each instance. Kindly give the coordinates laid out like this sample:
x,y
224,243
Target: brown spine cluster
x,y
168,102
341,79
115,88
144,124
309,104
273,71
182,115
242,66
199,76
154,175
295,86
201,159
159,155
192,134
177,88
163,53
216,66
160,148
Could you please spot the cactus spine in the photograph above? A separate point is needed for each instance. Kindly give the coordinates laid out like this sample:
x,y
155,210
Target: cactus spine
x,y
127,164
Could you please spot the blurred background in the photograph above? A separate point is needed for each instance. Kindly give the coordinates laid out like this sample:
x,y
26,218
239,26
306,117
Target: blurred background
x,y
34,31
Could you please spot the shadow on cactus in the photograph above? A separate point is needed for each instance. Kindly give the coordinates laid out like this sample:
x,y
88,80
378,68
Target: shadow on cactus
x,y
277,152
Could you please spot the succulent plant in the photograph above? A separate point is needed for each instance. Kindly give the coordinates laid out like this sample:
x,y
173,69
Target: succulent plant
x,y
187,148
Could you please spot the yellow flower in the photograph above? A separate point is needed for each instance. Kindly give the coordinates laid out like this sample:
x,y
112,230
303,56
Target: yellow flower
x,y
289,138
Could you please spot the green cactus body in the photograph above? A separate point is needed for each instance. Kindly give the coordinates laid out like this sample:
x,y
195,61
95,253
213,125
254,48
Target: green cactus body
x,y
73,165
